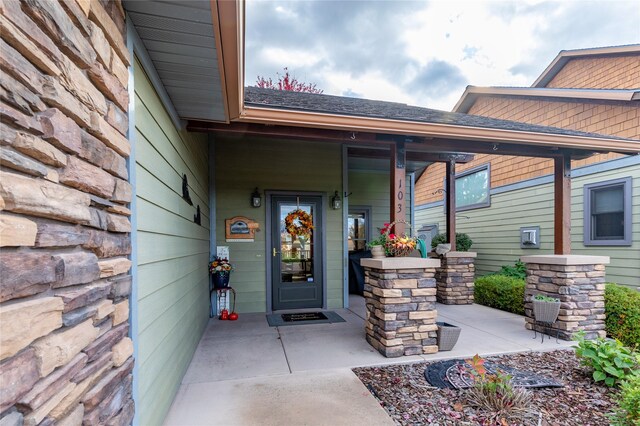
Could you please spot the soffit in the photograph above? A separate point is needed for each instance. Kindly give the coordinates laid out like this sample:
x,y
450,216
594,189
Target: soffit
x,y
179,38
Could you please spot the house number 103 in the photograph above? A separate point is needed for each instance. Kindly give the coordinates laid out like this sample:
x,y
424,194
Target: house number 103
x,y
399,195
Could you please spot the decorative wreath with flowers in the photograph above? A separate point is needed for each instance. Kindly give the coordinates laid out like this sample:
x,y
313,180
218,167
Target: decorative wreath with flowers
x,y
298,223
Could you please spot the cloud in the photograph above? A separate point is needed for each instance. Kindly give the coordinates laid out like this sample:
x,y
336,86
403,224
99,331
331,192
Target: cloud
x,y
424,53
437,78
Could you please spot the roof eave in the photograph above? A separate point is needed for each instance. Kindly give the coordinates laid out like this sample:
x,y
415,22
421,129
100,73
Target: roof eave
x,y
472,93
275,116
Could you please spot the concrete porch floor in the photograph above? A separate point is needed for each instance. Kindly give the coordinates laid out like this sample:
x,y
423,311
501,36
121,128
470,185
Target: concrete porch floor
x,y
247,373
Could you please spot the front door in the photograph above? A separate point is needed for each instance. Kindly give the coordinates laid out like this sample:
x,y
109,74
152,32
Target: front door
x,y
296,252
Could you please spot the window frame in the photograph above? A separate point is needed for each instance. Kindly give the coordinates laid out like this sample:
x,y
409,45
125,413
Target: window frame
x,y
367,220
487,167
627,210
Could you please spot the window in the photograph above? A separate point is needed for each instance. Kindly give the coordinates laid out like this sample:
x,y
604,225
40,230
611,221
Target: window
x,y
472,188
358,229
607,213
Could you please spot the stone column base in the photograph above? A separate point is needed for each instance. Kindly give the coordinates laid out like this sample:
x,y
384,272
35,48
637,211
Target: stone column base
x,y
578,281
400,294
455,278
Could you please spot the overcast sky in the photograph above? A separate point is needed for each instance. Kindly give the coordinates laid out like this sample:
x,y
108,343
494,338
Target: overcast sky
x,y
425,53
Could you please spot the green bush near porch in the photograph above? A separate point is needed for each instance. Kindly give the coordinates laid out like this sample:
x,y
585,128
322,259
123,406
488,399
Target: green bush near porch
x,y
622,307
500,292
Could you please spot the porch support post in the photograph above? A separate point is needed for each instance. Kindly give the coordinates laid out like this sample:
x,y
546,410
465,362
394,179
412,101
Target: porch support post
x,y
398,186
450,194
562,204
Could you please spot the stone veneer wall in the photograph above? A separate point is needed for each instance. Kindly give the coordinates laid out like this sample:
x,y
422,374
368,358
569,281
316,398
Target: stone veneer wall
x,y
455,278
65,357
400,296
579,282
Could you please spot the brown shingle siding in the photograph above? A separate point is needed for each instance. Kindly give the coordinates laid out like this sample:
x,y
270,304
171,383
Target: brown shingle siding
x,y
622,72
618,119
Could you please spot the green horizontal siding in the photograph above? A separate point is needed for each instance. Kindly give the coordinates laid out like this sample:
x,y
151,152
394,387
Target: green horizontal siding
x,y
495,230
371,189
242,165
173,251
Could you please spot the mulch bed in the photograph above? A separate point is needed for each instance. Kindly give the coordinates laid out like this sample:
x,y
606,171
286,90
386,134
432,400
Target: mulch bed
x,y
409,399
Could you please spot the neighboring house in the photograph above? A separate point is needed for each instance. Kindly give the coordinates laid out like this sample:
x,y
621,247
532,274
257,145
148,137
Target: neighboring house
x,y
593,90
128,140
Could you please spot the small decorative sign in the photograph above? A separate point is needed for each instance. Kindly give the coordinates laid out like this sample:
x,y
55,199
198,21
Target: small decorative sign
x,y
240,229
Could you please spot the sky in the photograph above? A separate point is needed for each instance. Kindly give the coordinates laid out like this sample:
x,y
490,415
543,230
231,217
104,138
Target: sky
x,y
425,53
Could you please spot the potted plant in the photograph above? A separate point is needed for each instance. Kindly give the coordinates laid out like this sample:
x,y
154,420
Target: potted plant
x,y
220,270
447,335
545,308
377,246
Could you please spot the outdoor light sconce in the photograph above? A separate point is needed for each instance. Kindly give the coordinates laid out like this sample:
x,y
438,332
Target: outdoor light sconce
x,y
256,199
336,202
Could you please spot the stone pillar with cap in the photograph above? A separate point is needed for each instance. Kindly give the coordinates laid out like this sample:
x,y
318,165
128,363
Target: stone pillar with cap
x,y
400,295
578,282
455,278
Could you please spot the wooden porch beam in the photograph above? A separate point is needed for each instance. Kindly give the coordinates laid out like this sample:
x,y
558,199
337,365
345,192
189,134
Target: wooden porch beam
x,y
412,143
398,183
428,157
451,145
450,194
562,205
286,132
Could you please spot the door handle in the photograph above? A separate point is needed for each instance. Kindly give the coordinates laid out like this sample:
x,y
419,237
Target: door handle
x,y
275,253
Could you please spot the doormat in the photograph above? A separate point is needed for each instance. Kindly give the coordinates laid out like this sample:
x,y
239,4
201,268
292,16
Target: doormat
x,y
455,374
299,318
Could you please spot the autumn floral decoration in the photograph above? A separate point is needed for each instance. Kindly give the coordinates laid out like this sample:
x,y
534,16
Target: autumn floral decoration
x,y
398,245
220,265
298,223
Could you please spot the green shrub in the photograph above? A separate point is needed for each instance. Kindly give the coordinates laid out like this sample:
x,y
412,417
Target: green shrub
x,y
463,242
622,306
519,270
500,292
628,411
610,360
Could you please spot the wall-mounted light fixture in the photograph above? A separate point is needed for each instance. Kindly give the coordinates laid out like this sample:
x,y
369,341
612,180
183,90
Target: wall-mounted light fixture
x,y
336,202
256,199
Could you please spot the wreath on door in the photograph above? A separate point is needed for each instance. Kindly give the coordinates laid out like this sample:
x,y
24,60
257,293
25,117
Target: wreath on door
x,y
298,223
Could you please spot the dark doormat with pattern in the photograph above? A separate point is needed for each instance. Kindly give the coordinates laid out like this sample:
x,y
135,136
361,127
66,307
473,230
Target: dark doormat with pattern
x,y
455,374
298,318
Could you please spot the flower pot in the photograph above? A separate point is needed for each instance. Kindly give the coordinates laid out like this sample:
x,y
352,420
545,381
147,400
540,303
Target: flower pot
x,y
447,336
544,311
220,279
377,252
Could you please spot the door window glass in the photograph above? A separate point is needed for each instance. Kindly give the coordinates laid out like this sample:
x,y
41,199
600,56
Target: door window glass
x,y
297,242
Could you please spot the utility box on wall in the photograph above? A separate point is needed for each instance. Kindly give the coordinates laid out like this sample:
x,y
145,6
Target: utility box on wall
x,y
530,237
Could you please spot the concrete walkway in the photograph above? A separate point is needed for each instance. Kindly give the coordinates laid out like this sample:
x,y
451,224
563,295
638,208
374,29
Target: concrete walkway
x,y
247,373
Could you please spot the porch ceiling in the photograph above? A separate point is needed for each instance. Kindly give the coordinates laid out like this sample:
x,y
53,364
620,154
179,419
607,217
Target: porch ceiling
x,y
179,37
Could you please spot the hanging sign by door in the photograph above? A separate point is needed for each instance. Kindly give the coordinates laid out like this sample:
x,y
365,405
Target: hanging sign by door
x,y
241,229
